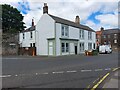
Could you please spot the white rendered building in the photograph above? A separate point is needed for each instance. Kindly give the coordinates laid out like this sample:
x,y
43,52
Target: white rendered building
x,y
55,36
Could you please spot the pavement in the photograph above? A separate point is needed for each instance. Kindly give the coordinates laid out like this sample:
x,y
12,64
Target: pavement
x,y
109,81
112,81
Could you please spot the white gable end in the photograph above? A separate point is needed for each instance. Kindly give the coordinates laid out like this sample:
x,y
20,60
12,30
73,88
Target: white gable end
x,y
44,30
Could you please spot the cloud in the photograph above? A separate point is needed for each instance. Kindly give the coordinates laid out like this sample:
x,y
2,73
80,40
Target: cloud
x,y
69,9
108,19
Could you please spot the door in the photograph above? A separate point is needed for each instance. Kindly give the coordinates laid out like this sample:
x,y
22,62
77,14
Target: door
x,y
75,49
50,48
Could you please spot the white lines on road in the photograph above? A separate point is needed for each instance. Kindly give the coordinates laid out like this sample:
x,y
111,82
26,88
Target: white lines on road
x,y
86,70
58,72
71,71
98,69
5,76
36,73
45,73
108,69
16,75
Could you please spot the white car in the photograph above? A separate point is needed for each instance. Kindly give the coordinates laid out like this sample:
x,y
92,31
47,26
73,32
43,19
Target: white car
x,y
105,49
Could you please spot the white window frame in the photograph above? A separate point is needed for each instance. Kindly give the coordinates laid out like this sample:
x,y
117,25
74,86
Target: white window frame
x,y
115,41
89,46
64,30
82,46
104,36
115,35
89,35
65,49
81,34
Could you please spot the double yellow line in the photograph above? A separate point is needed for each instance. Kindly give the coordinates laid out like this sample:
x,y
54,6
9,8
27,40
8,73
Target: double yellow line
x,y
96,85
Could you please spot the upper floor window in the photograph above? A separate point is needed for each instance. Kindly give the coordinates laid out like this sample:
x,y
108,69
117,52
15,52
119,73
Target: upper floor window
x,y
31,36
89,35
115,35
104,36
65,31
81,34
108,36
115,41
23,35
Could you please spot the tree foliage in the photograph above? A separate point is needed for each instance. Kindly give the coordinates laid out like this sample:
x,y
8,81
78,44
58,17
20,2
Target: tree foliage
x,y
12,20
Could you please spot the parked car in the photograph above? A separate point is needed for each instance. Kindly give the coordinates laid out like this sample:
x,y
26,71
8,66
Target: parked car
x,y
105,49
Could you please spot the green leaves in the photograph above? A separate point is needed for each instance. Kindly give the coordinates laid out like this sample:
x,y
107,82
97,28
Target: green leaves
x,y
12,20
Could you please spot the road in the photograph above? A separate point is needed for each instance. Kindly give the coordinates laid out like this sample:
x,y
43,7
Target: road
x,y
75,71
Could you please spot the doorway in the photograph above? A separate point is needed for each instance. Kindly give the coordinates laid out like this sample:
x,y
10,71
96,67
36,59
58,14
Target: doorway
x,y
75,49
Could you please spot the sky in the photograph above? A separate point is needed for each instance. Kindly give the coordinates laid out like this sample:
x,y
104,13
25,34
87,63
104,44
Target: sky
x,y
93,13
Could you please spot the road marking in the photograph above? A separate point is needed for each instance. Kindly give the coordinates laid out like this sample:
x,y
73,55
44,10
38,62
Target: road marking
x,y
98,78
71,71
5,76
94,81
86,70
16,75
114,69
108,69
98,69
36,73
88,86
58,72
95,86
45,73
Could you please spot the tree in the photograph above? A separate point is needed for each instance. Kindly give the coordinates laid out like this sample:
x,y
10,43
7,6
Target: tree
x,y
12,20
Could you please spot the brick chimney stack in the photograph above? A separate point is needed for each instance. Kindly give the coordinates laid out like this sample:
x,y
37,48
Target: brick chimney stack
x,y
32,22
45,8
77,20
101,28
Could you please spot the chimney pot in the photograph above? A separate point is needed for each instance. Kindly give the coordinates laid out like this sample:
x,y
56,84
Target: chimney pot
x,y
101,28
32,22
77,20
45,4
45,8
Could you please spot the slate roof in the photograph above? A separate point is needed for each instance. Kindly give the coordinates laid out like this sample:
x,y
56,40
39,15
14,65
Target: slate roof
x,y
70,23
32,28
111,31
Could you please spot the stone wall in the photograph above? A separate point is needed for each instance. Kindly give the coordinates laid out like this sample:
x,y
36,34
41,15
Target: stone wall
x,y
10,44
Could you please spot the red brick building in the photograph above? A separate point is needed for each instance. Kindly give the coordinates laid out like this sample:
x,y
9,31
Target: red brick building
x,y
109,37
98,36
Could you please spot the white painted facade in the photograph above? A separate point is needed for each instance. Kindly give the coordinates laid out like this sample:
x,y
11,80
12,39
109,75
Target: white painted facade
x,y
44,29
48,38
74,33
26,40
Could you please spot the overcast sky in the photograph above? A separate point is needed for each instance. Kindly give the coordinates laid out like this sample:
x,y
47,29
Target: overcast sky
x,y
93,13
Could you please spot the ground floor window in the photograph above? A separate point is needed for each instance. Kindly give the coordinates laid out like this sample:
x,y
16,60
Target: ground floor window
x,y
65,47
89,46
81,46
